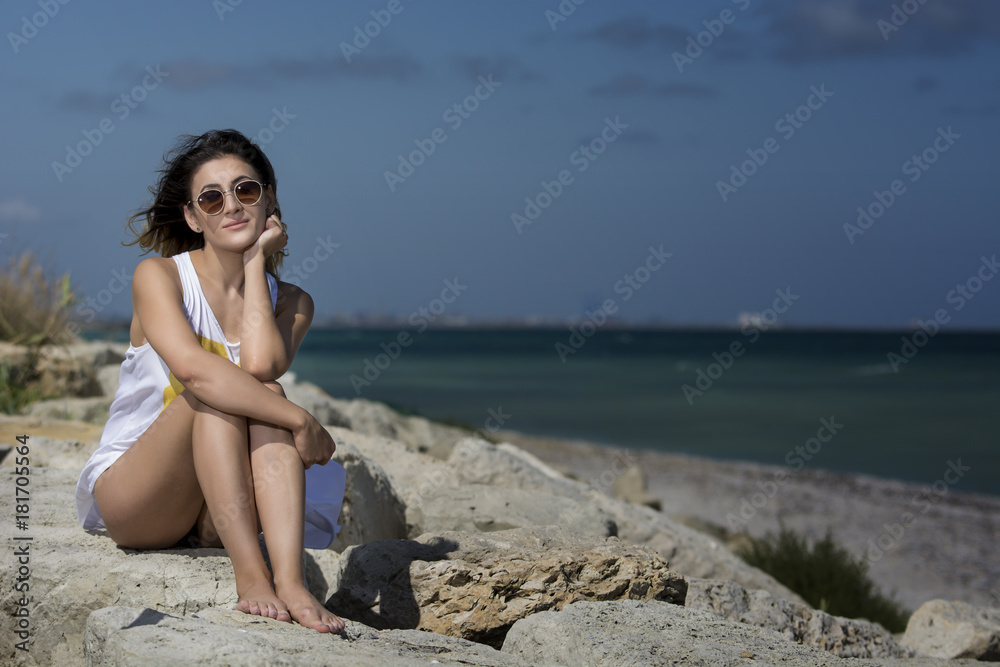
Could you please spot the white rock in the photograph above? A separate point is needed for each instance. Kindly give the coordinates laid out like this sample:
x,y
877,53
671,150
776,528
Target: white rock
x,y
954,630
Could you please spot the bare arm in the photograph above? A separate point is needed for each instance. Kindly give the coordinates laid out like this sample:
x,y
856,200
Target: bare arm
x,y
270,337
158,302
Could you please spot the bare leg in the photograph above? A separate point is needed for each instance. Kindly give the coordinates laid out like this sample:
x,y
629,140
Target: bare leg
x,y
222,465
279,486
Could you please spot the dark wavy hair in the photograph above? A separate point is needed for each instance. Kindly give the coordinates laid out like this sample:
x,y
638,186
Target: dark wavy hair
x,y
163,227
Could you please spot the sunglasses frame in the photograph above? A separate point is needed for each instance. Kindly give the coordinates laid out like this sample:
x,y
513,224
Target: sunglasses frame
x,y
263,186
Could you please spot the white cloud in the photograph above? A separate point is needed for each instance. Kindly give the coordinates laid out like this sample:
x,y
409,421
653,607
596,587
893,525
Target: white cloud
x,y
18,210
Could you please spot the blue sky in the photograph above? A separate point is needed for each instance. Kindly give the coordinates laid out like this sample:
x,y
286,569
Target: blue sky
x,y
886,95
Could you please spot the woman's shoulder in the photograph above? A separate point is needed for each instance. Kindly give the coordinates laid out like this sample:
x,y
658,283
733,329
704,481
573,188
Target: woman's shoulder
x,y
293,296
156,270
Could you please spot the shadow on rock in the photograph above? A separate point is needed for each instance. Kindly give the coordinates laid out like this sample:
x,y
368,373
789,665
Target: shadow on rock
x,y
374,582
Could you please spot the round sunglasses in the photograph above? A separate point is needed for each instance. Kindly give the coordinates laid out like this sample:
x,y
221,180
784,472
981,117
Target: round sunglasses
x,y
246,192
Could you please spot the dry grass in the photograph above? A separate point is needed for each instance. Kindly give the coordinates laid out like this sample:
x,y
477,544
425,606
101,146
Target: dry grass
x,y
34,309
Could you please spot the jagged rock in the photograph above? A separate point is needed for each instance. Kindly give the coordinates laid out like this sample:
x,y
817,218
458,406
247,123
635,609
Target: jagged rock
x,y
954,630
480,507
475,585
94,410
372,510
55,453
136,637
847,638
71,370
631,632
107,377
689,552
74,572
418,433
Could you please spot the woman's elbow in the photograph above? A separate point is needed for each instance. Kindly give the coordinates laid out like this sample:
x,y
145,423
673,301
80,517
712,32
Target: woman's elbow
x,y
263,371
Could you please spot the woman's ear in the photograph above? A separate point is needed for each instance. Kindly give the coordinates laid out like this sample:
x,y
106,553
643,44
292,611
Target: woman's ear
x,y
191,219
271,205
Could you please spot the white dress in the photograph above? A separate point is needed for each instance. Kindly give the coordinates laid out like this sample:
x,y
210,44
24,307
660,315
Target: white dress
x,y
146,386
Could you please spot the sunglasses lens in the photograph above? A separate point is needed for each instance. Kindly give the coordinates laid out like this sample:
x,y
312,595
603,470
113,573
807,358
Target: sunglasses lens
x,y
211,201
248,192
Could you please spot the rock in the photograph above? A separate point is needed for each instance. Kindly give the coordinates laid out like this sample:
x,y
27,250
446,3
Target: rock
x,y
954,630
479,507
631,632
847,638
54,453
316,401
630,486
372,510
107,377
417,433
475,585
135,637
689,552
94,410
74,572
71,370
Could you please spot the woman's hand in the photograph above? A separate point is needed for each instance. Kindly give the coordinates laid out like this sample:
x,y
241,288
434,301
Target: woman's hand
x,y
270,241
313,442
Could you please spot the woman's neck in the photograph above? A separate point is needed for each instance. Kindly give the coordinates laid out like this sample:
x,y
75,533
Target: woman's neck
x,y
221,267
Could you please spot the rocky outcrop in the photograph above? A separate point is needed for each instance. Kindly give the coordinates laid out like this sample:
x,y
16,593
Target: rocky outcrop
x,y
93,410
417,433
630,632
954,630
372,510
689,552
216,637
73,572
475,586
848,638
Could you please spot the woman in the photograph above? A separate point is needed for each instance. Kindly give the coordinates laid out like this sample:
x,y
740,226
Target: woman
x,y
202,447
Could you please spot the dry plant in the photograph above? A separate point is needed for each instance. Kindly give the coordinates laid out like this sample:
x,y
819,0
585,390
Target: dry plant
x,y
34,309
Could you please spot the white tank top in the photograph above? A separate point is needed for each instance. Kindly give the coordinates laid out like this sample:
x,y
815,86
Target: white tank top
x,y
146,386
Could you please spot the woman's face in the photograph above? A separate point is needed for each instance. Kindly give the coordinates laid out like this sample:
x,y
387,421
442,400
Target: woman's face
x,y
237,225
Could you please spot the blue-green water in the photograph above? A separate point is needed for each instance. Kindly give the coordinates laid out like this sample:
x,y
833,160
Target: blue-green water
x,y
625,388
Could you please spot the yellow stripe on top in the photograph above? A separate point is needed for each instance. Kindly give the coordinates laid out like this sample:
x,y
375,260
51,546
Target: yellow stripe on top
x,y
175,387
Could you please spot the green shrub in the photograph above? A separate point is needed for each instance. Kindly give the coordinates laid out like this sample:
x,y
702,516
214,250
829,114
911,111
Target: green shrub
x,y
827,576
14,394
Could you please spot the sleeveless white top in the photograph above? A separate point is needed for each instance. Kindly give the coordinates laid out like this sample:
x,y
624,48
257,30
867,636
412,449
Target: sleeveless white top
x,y
146,386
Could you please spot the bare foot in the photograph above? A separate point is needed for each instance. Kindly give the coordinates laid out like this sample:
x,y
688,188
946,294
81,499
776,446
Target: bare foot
x,y
307,611
260,600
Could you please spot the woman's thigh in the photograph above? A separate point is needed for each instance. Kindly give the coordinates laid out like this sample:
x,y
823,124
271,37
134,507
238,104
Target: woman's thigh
x,y
150,498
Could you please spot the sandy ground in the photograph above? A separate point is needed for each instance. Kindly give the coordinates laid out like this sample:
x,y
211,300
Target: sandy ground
x,y
922,542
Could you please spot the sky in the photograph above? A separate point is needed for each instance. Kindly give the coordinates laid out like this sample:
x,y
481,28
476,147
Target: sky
x,y
682,163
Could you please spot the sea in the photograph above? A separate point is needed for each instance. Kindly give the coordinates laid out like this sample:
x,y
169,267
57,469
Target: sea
x,y
901,405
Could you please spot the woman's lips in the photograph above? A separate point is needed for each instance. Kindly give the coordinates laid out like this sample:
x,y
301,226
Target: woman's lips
x,y
239,224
